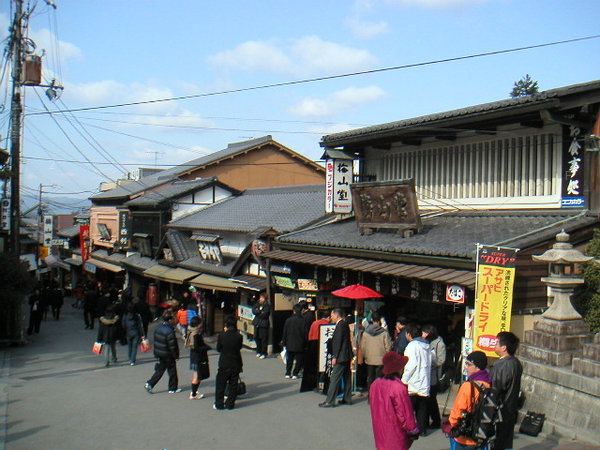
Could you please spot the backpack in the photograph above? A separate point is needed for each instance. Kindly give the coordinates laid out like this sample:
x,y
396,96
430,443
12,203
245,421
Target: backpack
x,y
480,424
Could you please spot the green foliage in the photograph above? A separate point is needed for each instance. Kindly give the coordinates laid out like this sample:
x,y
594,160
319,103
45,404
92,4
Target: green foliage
x,y
587,299
525,86
14,279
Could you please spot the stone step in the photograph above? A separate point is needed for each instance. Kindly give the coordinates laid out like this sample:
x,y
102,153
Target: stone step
x,y
543,355
597,338
586,367
591,351
556,342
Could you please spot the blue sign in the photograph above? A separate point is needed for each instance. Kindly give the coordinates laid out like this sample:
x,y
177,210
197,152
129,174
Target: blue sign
x,y
572,202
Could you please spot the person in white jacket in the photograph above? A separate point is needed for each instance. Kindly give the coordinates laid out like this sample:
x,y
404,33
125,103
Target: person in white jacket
x,y
417,374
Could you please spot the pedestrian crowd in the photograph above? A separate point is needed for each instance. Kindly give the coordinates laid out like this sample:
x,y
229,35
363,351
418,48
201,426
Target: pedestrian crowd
x,y
402,372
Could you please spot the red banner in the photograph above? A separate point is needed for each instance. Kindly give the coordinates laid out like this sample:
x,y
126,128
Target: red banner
x,y
84,239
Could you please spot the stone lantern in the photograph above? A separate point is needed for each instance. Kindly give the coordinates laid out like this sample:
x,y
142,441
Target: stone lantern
x,y
561,332
562,258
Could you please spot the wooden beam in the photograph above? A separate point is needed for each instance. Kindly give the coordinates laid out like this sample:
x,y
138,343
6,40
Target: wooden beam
x,y
532,123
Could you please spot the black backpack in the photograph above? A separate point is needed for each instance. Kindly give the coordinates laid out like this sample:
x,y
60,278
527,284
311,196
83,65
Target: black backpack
x,y
480,424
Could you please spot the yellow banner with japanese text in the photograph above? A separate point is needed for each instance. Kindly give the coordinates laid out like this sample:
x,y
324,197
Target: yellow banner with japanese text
x,y
493,302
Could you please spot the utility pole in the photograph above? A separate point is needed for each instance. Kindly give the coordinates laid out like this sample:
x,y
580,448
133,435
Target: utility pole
x,y
15,133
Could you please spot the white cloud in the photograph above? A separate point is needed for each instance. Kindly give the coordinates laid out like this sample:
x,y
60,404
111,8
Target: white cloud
x,y
363,29
300,57
338,101
45,40
436,4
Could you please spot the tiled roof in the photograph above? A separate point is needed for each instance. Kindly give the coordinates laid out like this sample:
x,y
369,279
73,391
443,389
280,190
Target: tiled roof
x,y
282,208
337,139
172,173
69,232
450,235
172,191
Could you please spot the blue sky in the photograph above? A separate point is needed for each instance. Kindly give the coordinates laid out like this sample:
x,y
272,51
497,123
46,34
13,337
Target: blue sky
x,y
115,52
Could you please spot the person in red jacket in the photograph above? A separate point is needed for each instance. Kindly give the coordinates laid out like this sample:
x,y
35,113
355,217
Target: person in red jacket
x,y
392,415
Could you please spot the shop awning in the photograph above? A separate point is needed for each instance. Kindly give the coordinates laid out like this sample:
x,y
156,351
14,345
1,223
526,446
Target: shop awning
x,y
438,274
250,282
206,281
169,274
104,265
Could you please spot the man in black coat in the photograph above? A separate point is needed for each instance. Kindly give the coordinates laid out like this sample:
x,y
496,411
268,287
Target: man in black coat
x,y
295,334
261,311
166,349
229,344
341,353
506,380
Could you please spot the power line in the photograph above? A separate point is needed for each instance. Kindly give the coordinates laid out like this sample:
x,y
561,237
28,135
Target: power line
x,y
330,77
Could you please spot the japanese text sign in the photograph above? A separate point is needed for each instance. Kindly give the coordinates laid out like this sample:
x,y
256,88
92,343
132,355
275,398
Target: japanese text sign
x,y
338,198
493,304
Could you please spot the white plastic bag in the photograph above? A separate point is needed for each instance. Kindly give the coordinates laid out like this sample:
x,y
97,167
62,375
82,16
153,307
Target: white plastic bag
x,y
283,355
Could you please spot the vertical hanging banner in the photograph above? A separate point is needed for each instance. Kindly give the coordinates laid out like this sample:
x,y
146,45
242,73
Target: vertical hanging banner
x,y
338,198
84,239
493,304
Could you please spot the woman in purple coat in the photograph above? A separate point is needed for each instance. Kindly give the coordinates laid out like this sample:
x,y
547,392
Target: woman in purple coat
x,y
394,424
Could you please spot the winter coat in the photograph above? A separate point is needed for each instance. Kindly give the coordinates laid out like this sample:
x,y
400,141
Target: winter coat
x,y
417,372
392,414
438,355
165,342
261,313
295,334
182,317
229,344
506,380
466,399
199,352
132,323
109,330
374,343
401,342
341,347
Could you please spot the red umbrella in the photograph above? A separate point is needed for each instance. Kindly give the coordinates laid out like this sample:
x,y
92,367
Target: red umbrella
x,y
357,292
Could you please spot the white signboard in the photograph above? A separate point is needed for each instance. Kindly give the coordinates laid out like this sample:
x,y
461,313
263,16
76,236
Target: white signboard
x,y
48,226
245,312
338,198
325,332
5,215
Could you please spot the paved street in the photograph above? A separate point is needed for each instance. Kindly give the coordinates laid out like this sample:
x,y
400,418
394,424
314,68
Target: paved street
x,y
54,393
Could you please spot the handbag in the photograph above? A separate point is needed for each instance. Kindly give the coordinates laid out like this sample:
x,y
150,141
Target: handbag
x,y
145,345
241,387
97,348
203,370
532,423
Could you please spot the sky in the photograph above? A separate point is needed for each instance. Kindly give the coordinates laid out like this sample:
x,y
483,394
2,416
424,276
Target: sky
x,y
114,52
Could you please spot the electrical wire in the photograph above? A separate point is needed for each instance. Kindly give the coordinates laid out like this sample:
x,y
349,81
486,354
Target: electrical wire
x,y
333,77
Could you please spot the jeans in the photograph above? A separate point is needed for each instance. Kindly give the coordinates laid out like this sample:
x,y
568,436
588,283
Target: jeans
x,y
132,343
113,349
226,377
168,364
456,446
289,362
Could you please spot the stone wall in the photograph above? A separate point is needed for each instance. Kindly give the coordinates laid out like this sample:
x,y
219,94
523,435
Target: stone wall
x,y
570,401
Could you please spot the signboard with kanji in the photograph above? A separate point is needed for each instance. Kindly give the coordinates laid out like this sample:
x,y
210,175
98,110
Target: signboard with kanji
x,y
325,333
338,198
493,304
572,188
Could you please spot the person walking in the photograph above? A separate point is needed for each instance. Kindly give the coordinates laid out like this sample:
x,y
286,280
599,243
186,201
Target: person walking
x,y
134,331
374,343
392,415
35,312
466,399
294,337
198,356
229,345
341,354
89,306
108,334
506,381
261,311
310,375
166,350
56,300
438,358
417,373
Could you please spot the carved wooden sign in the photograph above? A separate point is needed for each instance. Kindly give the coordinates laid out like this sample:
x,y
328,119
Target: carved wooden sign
x,y
387,204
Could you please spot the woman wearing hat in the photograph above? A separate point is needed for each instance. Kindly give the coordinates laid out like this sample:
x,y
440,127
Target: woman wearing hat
x,y
394,424
475,365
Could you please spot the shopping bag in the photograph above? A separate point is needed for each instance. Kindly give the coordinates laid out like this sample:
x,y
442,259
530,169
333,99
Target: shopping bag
x,y
97,348
145,346
283,355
